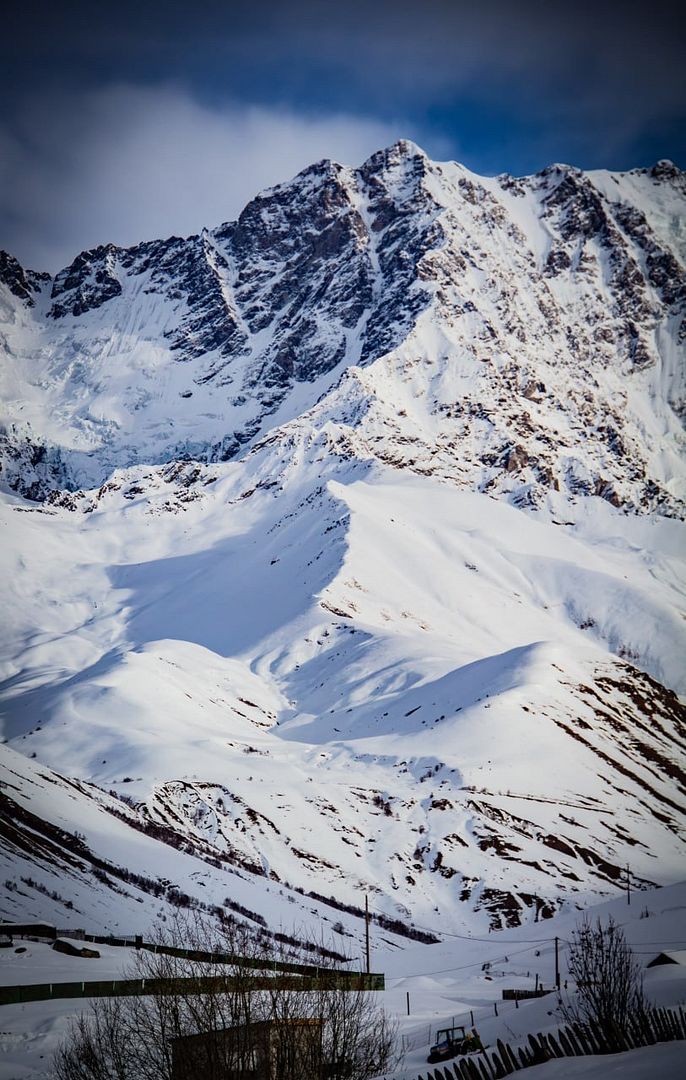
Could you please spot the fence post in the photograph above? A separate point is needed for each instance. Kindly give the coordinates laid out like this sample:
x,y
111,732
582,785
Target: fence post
x,y
497,1065
666,1027
536,1050
669,1020
601,1038
524,1057
506,1056
566,1043
555,1046
485,1068
471,1071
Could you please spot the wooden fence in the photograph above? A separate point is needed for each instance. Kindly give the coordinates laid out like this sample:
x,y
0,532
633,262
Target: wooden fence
x,y
326,980
353,980
576,1040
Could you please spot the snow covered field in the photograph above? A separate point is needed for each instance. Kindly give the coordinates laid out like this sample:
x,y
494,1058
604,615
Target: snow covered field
x,y
654,922
446,982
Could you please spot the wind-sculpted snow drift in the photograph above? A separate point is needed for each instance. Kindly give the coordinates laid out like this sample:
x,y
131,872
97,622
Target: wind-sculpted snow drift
x,y
342,551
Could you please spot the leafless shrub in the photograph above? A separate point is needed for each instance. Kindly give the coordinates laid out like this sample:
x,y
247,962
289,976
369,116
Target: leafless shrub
x,y
609,980
132,1038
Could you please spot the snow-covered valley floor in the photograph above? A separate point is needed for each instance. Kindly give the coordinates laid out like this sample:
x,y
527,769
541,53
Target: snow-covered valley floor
x,y
446,982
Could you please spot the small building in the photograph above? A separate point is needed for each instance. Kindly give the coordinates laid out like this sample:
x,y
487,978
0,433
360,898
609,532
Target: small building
x,y
673,957
64,945
266,1050
29,930
524,995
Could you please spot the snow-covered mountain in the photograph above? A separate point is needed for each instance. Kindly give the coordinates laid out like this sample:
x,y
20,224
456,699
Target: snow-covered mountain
x,y
343,552
529,332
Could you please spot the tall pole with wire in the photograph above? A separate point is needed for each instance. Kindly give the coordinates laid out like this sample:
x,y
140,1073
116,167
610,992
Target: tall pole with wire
x,y
366,928
628,884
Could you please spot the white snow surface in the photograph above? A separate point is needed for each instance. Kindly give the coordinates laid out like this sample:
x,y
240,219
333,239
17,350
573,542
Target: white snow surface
x,y
370,662
422,637
446,983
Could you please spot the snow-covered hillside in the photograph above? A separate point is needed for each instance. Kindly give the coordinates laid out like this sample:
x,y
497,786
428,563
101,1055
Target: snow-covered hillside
x,y
352,560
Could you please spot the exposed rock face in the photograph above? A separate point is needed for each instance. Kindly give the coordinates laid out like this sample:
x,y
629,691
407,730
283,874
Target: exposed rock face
x,y
89,282
30,467
21,283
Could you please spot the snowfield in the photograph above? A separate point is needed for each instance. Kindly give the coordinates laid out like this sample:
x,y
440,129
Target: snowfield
x,y
446,982
343,635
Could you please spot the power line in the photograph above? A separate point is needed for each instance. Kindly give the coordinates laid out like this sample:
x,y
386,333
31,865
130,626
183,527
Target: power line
x,y
531,941
462,967
488,940
644,952
673,942
505,959
441,971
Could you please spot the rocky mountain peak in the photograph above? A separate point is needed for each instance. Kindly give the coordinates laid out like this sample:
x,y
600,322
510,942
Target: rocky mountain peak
x,y
403,151
532,306
24,284
667,172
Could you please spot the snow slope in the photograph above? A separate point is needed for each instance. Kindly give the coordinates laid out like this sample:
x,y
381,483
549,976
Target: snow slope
x,y
338,640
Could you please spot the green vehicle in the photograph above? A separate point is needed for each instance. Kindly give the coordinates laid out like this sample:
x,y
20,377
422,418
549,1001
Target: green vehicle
x,y
452,1041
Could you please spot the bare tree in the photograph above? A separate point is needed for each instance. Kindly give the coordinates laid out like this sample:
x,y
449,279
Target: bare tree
x,y
609,980
327,1030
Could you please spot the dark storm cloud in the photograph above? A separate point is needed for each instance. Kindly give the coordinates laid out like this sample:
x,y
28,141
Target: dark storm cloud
x,y
390,48
128,119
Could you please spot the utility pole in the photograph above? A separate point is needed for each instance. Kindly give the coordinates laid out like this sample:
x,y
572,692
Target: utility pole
x,y
366,928
557,964
628,884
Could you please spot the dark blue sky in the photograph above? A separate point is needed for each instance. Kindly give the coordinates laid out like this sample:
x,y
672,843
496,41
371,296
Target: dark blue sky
x,y
128,120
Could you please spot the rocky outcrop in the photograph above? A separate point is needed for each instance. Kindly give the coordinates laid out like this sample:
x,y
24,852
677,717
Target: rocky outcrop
x,y
24,284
